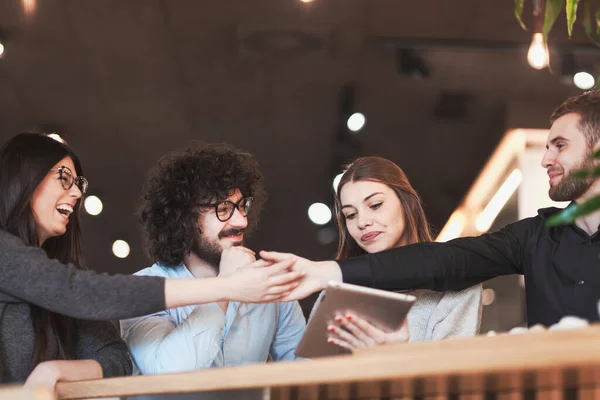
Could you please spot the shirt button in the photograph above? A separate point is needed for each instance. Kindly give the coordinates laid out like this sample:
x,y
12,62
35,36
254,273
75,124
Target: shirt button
x,y
580,283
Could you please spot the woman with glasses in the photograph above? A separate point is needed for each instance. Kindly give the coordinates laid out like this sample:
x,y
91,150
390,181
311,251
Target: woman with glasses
x,y
377,209
50,307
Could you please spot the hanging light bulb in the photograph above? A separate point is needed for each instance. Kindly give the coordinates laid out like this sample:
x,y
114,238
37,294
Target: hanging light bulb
x,y
537,56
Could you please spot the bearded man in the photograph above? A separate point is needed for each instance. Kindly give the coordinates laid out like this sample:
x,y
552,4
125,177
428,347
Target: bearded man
x,y
198,206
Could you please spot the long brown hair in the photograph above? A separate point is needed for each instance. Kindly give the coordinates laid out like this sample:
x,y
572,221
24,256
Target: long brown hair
x,y
382,170
25,160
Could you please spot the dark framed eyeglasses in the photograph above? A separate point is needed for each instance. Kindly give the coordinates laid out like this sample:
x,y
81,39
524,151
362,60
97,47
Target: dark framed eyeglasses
x,y
225,209
67,179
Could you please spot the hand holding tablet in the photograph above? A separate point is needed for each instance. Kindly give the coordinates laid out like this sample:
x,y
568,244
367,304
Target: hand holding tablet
x,y
384,311
352,332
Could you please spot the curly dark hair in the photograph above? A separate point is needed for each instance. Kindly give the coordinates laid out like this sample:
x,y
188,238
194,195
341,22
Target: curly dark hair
x,y
199,174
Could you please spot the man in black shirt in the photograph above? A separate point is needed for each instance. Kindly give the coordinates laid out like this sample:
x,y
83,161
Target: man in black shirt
x,y
561,264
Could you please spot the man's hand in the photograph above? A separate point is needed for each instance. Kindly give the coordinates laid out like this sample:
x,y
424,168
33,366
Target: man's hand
x,y
233,258
318,274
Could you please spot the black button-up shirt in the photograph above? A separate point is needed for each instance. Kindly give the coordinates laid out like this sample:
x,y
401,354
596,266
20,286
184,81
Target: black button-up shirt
x,y
561,266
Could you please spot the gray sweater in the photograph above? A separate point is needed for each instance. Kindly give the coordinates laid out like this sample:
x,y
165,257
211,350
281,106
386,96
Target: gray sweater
x,y
27,276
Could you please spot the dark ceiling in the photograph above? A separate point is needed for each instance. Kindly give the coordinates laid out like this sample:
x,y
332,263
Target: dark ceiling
x,y
127,81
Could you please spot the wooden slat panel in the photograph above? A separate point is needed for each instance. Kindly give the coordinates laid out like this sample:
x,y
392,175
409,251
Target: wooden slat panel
x,y
473,396
592,393
512,395
309,392
537,360
550,394
338,391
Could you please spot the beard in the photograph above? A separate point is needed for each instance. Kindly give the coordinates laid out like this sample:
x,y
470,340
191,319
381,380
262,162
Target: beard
x,y
571,188
209,250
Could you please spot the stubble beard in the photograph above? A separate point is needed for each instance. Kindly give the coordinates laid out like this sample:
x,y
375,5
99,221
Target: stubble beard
x,y
570,188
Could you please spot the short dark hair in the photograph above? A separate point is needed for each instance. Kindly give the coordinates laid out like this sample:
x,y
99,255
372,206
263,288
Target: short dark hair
x,y
182,180
587,106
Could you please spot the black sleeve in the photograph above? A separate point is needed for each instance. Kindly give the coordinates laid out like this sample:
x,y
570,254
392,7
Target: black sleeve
x,y
26,273
101,341
454,265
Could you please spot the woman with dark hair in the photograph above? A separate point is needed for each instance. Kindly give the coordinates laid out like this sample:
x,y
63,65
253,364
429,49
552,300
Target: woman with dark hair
x,y
51,308
377,209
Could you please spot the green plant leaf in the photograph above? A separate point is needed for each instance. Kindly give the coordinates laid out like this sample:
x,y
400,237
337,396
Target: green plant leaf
x,y
571,10
571,213
551,13
519,13
587,173
596,154
588,24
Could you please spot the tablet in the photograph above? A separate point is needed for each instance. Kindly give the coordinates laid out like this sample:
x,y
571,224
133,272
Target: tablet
x,y
386,310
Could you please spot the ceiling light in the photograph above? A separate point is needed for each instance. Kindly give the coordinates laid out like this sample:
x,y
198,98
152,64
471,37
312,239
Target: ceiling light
x,y
356,122
28,6
537,56
491,211
336,181
584,80
319,213
120,248
453,228
93,205
56,137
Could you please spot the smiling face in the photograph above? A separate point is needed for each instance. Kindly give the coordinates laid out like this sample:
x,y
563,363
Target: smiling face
x,y
566,151
373,215
52,204
216,235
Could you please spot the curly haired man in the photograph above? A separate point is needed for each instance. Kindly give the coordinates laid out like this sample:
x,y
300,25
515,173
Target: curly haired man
x,y
198,206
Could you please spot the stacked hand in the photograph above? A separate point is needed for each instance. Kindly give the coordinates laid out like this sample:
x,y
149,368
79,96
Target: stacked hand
x,y
352,332
264,281
235,257
316,274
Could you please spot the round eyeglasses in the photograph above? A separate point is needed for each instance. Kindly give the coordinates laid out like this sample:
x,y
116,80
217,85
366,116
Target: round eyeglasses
x,y
225,209
66,178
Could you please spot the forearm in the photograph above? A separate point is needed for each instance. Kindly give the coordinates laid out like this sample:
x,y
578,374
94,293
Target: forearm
x,y
71,370
183,292
436,266
158,346
29,275
79,370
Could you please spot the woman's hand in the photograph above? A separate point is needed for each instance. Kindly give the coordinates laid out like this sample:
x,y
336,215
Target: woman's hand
x,y
358,333
317,274
263,281
46,374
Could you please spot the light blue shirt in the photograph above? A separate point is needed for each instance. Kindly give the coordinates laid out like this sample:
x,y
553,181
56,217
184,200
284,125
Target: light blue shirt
x,y
196,337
